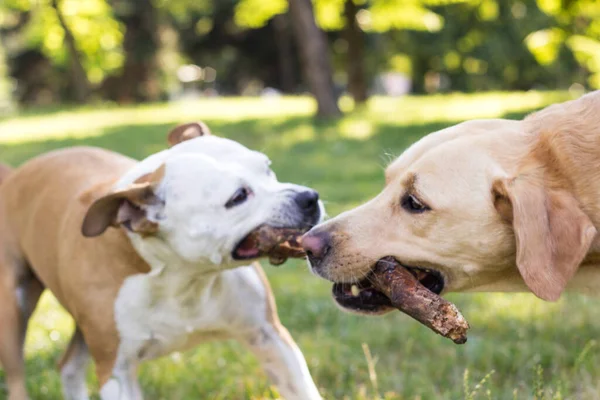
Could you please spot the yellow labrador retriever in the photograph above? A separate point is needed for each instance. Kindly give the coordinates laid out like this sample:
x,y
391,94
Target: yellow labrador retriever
x,y
486,205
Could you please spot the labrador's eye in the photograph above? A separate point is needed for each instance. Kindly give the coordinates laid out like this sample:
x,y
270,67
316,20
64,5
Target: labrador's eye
x,y
413,205
240,196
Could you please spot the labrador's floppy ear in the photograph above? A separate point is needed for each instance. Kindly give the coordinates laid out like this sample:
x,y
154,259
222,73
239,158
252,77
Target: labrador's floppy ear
x,y
552,233
184,132
125,207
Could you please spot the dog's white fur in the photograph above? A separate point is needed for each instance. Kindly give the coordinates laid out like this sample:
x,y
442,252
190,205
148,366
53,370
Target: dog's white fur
x,y
201,175
189,291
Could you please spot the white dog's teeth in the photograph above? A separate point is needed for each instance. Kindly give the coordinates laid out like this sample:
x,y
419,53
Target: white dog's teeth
x,y
355,290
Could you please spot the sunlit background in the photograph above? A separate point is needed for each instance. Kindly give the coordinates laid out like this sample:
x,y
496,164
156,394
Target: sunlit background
x,y
378,76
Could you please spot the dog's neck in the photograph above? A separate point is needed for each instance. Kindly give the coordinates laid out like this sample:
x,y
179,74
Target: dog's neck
x,y
585,281
164,261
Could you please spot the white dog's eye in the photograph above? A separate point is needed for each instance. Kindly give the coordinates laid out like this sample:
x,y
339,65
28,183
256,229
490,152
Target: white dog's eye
x,y
413,205
240,196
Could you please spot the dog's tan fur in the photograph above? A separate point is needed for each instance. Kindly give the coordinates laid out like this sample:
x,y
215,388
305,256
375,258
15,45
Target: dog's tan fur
x,y
42,206
66,261
5,170
513,205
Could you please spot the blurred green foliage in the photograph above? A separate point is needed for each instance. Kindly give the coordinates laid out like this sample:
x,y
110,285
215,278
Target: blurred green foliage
x,y
377,15
445,45
546,27
577,28
99,36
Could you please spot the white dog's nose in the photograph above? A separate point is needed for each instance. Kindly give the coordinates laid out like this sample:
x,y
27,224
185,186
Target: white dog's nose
x,y
308,201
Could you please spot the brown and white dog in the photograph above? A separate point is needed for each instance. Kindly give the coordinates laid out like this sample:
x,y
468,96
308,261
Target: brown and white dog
x,y
174,272
483,206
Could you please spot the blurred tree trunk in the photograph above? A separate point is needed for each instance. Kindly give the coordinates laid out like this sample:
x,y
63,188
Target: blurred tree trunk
x,y
78,77
315,57
419,68
355,62
283,40
138,80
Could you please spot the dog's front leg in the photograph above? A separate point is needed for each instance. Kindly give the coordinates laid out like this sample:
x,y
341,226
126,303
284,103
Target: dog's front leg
x,y
283,362
123,383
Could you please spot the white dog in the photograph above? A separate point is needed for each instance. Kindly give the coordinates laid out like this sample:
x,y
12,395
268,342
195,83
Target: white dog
x,y
173,273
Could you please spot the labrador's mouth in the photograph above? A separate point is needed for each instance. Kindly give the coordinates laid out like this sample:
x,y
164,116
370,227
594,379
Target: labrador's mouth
x,y
363,298
412,290
278,244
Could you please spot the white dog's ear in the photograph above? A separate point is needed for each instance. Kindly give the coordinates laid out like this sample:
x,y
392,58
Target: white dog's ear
x,y
189,131
552,233
127,207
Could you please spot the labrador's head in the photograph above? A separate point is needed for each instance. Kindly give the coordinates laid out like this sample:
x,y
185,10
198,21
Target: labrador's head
x,y
201,200
484,205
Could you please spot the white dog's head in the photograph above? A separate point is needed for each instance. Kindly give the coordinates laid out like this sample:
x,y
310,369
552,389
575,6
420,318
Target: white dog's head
x,y
201,201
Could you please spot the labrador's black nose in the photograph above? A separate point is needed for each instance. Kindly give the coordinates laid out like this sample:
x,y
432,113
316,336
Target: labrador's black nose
x,y
308,201
316,245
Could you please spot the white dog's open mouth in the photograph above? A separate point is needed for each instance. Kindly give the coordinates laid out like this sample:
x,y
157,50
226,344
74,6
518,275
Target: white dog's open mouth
x,y
278,244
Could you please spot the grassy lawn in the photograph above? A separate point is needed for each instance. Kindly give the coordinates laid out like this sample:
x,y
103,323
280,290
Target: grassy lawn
x,y
519,347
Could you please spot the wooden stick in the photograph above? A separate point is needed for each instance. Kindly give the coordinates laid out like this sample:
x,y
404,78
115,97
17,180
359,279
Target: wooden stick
x,y
408,295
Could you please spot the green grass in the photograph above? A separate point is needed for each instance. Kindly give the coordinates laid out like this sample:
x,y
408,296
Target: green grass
x,y
519,347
